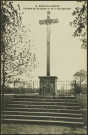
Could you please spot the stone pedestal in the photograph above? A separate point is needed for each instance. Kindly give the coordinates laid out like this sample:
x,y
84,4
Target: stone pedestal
x,y
48,85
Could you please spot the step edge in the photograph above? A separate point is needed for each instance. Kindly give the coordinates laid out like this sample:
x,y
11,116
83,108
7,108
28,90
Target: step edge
x,y
44,116
44,121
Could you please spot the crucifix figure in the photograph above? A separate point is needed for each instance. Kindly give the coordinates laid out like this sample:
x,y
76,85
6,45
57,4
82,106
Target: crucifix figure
x,y
48,21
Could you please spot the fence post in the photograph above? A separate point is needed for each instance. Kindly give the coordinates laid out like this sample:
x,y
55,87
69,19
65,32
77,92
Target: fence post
x,y
75,88
33,88
14,88
43,90
2,103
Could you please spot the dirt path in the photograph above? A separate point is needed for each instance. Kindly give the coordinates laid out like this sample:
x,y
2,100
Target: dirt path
x,y
40,129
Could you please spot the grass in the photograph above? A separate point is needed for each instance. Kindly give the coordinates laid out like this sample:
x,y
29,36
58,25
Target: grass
x,y
82,99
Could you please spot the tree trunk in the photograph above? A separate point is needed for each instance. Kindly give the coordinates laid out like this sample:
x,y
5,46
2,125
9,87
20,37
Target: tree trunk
x,y
3,85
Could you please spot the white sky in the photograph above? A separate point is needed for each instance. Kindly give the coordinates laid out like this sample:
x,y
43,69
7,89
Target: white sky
x,y
67,57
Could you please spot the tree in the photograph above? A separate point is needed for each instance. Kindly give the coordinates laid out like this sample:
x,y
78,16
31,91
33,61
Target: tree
x,y
16,47
80,23
81,78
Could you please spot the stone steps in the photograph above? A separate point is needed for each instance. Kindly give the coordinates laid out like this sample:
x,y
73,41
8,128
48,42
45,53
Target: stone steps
x,y
46,97
46,100
56,118
48,110
44,106
43,110
42,113
79,124
44,103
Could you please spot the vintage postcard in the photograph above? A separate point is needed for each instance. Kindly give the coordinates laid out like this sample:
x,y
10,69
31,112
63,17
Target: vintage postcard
x,y
43,67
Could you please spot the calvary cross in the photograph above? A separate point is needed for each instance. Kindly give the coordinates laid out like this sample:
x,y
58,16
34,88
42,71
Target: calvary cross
x,y
48,21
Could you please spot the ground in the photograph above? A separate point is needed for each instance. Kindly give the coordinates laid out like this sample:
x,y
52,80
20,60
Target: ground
x,y
40,129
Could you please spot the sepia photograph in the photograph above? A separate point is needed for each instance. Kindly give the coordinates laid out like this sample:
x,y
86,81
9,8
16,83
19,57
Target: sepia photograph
x,y
43,67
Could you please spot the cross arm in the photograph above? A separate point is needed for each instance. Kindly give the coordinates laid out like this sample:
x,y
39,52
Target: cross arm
x,y
55,21
49,21
42,22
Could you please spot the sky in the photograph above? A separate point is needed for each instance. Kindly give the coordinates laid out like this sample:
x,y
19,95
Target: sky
x,y
66,55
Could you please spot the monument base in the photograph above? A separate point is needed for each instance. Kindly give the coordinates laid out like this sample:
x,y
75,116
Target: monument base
x,y
48,85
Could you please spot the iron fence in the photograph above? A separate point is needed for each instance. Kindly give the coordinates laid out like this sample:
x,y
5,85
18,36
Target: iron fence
x,y
29,88
65,87
33,88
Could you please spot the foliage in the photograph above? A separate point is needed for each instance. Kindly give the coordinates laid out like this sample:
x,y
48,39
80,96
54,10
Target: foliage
x,y
16,49
78,89
84,88
10,19
81,80
80,23
80,76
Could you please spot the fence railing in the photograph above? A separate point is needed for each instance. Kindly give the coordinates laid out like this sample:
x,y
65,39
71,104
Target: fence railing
x,y
30,88
33,88
65,87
